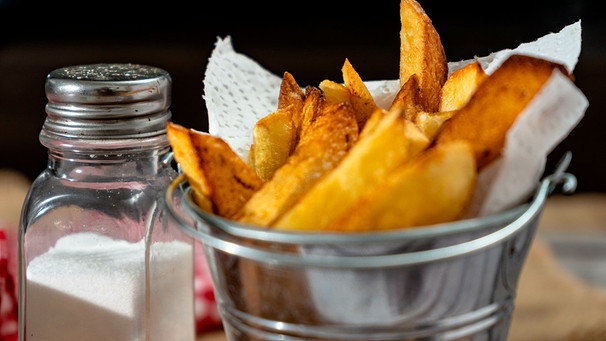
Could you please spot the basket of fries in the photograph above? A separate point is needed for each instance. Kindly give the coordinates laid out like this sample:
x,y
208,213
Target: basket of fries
x,y
376,210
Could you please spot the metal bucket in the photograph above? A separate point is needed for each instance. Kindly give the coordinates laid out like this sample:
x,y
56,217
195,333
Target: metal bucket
x,y
454,281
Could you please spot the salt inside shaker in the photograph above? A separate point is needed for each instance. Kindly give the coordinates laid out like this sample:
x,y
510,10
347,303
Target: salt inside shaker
x,y
98,259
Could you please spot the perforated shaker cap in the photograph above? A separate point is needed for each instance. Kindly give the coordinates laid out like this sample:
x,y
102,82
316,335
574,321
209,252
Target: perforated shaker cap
x,y
106,102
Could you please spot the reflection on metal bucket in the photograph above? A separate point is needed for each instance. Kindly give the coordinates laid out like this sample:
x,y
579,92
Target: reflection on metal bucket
x,y
454,281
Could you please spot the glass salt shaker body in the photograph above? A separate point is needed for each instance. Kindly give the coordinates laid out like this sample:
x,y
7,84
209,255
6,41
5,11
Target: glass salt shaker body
x,y
98,259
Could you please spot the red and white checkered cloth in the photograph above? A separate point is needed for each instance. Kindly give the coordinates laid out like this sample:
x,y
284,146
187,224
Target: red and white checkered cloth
x,y
8,287
206,310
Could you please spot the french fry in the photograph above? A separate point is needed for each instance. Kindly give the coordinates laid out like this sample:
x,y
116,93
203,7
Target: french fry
x,y
273,139
421,53
334,92
435,187
214,170
312,106
291,94
330,137
495,105
431,122
460,86
292,98
250,158
373,121
391,143
189,160
408,98
361,99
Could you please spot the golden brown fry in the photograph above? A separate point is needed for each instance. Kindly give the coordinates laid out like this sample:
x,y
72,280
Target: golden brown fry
x,y
430,122
334,92
361,99
421,53
436,187
486,118
460,86
250,158
329,139
292,97
312,106
187,157
213,168
408,98
273,140
290,93
391,143
373,121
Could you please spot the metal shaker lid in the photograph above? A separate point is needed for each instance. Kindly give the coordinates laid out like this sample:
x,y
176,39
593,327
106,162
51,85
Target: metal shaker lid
x,y
107,101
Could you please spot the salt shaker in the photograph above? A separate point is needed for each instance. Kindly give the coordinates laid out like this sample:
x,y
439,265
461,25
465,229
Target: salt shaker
x,y
98,259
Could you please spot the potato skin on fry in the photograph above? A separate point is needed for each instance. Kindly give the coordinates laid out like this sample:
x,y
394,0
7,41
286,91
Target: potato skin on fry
x,y
214,168
312,106
421,53
361,99
495,105
408,97
290,93
187,157
435,187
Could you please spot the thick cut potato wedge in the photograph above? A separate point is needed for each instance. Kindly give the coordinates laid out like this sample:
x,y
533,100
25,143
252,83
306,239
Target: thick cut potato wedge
x,y
408,98
273,139
312,106
292,98
329,139
291,94
460,86
289,114
495,105
421,53
361,99
373,121
216,170
390,144
334,92
436,187
189,160
430,122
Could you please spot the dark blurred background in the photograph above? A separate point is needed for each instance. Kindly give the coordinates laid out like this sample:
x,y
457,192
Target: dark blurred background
x,y
309,39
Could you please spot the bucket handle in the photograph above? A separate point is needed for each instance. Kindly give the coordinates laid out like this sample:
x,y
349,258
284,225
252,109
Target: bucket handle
x,y
559,177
